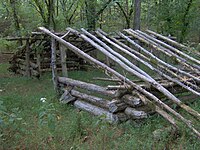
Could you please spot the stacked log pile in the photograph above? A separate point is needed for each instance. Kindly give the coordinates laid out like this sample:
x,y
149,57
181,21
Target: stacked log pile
x,y
126,99
34,57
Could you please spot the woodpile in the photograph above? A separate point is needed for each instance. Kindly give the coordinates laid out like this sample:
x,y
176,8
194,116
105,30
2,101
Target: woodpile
x,y
34,57
162,68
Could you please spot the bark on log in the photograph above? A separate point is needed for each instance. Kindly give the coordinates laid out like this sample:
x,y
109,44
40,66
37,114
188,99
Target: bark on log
x,y
86,86
67,97
63,60
135,114
27,54
53,64
132,100
104,114
116,106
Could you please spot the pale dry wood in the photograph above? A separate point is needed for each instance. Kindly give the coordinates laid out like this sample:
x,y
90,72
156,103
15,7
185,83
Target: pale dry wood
x,y
27,58
172,50
131,100
161,49
135,114
63,57
103,66
104,114
53,64
145,77
86,86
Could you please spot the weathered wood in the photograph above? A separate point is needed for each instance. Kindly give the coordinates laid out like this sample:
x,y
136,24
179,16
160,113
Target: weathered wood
x,y
170,41
67,97
33,65
160,48
53,64
104,114
63,57
105,67
116,106
134,70
171,48
27,59
107,79
86,86
135,114
38,62
100,102
109,52
132,100
162,65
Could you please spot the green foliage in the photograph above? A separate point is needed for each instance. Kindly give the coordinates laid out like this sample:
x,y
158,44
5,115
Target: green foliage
x,y
178,17
7,46
32,122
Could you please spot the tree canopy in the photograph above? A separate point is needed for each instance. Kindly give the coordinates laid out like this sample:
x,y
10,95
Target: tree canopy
x,y
179,18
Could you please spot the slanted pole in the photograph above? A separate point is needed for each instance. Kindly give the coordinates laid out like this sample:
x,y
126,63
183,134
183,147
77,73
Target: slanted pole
x,y
137,87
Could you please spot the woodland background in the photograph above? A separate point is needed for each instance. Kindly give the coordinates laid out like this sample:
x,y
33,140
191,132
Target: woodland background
x,y
179,18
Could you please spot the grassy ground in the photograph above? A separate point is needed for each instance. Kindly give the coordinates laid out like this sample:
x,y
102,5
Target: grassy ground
x,y
28,123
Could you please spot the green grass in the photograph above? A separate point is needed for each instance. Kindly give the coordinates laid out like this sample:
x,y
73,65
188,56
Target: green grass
x,y
32,124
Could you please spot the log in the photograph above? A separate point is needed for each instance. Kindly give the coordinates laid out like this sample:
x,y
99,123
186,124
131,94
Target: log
x,y
162,63
100,102
171,48
104,114
116,106
162,49
38,62
105,67
53,64
170,41
27,59
107,79
132,100
134,70
86,86
63,57
135,114
113,106
66,97
33,65
109,52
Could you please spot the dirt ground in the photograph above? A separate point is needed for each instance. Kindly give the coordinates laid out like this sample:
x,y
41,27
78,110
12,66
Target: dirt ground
x,y
5,57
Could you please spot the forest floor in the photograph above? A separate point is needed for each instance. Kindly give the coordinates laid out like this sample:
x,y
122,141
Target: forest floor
x,y
28,123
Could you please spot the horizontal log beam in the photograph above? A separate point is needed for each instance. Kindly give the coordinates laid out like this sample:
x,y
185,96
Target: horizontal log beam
x,y
106,115
86,86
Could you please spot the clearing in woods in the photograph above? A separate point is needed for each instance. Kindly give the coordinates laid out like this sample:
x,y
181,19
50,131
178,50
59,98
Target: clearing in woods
x,y
32,118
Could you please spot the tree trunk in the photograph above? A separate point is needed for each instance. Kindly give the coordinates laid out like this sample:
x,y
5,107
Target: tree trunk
x,y
16,19
137,12
91,14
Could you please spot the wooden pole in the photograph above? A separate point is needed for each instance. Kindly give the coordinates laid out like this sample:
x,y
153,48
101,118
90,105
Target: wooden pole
x,y
86,86
53,64
63,60
39,63
128,52
27,55
105,67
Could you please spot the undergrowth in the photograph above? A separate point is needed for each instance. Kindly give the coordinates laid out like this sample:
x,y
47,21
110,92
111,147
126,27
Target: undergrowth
x,y
32,118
